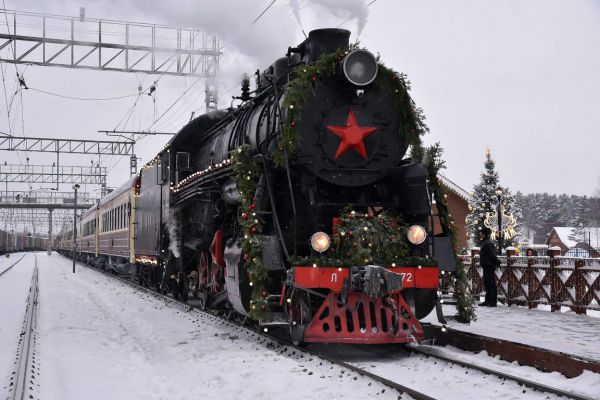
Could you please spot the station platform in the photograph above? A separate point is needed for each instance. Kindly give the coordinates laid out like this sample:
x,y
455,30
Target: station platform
x,y
562,331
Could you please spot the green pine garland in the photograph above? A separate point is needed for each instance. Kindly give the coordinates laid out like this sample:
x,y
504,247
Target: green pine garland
x,y
462,294
306,78
367,238
246,172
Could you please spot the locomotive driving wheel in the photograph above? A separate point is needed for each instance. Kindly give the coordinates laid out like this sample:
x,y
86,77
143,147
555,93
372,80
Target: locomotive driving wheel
x,y
299,316
210,278
203,278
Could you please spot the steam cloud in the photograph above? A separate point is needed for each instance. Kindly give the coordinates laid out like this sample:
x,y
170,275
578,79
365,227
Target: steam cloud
x,y
173,228
341,10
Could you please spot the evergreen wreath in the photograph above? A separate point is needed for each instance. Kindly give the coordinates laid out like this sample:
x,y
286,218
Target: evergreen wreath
x,y
306,78
246,172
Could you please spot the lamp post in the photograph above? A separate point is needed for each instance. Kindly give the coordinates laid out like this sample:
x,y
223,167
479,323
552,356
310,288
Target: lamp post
x,y
499,211
75,188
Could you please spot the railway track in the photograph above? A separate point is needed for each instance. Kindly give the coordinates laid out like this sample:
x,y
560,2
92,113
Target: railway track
x,y
15,263
23,380
345,365
401,389
430,352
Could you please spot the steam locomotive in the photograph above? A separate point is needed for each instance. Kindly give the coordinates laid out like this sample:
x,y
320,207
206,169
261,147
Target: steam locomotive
x,y
300,208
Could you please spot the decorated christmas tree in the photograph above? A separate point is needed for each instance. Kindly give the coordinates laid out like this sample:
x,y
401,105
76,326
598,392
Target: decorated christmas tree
x,y
484,203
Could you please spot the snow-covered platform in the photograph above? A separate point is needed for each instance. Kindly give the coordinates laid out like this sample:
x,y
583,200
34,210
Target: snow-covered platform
x,y
562,331
99,338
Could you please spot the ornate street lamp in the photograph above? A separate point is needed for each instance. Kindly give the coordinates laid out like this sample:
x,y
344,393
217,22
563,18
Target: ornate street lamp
x,y
499,212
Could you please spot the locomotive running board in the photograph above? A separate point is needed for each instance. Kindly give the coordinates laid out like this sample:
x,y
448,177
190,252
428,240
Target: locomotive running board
x,y
363,320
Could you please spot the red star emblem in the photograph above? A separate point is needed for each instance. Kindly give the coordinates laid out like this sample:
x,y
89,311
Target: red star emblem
x,y
352,136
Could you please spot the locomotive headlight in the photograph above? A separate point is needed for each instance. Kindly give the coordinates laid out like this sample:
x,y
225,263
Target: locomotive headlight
x,y
360,67
320,242
416,234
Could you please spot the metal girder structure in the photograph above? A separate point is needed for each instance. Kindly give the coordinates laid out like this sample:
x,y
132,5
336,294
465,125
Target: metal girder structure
x,y
43,197
51,174
47,206
79,42
54,145
37,217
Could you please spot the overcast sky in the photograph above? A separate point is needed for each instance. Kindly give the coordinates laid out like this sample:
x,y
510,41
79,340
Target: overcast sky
x,y
520,77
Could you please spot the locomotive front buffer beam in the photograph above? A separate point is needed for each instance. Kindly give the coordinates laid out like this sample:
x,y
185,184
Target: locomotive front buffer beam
x,y
361,304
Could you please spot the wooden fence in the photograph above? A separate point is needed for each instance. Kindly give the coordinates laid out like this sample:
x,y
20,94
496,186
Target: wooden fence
x,y
528,281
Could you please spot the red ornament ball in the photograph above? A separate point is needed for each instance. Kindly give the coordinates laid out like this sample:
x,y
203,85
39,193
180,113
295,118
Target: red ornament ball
x,y
246,257
293,124
264,294
244,215
354,244
314,78
371,215
253,229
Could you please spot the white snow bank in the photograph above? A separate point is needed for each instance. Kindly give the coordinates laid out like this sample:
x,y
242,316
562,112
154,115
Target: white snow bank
x,y
566,332
101,339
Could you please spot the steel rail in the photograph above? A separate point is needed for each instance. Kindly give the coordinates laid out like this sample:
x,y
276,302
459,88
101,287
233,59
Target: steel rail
x,y
503,375
401,389
19,386
9,268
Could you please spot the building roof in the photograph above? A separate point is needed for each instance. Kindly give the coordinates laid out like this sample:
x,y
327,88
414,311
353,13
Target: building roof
x,y
462,193
563,233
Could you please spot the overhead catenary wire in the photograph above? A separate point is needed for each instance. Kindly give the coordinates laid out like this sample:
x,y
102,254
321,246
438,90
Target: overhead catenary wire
x,y
173,104
264,11
83,98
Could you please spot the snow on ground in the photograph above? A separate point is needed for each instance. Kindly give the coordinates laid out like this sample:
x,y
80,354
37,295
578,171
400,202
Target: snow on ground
x,y
566,332
14,288
586,384
444,380
102,339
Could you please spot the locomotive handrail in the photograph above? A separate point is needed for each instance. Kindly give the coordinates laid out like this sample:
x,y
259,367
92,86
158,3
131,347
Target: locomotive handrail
x,y
273,209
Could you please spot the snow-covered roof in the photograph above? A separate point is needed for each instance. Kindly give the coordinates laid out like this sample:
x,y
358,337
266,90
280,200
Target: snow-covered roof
x,y
564,232
454,187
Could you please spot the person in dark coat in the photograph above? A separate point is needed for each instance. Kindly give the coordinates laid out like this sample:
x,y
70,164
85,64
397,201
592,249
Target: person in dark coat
x,y
489,262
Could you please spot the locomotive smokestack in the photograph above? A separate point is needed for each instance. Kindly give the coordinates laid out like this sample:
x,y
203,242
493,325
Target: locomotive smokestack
x,y
322,41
